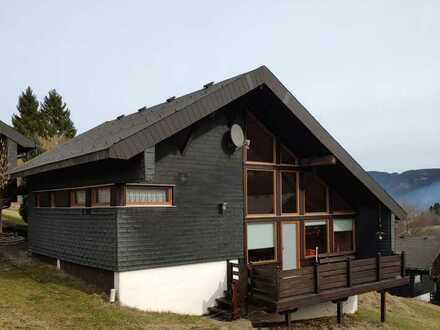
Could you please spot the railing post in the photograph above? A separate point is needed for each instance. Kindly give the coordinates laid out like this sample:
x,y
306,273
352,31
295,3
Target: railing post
x,y
229,275
402,264
378,267
316,271
349,272
277,280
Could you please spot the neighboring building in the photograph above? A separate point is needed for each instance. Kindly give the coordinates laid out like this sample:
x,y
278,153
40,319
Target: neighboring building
x,y
422,267
17,146
157,204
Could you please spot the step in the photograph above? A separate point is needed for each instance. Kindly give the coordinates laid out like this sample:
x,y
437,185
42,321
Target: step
x,y
224,301
219,313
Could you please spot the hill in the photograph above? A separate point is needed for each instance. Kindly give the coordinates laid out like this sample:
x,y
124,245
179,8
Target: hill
x,y
418,188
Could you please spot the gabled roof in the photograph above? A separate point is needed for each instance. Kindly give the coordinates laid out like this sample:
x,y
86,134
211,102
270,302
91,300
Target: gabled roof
x,y
126,137
15,136
420,251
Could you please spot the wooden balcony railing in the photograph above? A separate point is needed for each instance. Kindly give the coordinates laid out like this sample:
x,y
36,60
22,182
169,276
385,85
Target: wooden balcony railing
x,y
282,290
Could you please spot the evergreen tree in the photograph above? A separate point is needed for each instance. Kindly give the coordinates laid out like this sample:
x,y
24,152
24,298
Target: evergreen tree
x,y
28,121
56,117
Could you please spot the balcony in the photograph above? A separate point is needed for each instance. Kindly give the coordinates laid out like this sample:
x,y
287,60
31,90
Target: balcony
x,y
282,291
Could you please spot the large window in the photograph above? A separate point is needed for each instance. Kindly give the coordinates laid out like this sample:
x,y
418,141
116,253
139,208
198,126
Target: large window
x,y
343,238
149,195
101,196
315,237
260,192
315,194
289,192
261,147
261,242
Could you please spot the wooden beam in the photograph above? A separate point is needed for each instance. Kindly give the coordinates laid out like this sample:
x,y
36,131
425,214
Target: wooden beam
x,y
339,308
382,306
318,161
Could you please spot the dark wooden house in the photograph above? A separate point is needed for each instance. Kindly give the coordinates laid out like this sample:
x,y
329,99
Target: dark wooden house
x,y
17,146
422,267
231,195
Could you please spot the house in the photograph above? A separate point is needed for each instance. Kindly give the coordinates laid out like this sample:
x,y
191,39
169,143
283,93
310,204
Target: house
x,y
17,146
422,267
234,187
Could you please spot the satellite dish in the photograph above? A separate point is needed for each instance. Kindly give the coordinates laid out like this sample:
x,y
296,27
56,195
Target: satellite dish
x,y
236,136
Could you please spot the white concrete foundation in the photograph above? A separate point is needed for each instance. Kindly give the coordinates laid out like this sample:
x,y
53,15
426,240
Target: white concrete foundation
x,y
325,309
187,289
424,297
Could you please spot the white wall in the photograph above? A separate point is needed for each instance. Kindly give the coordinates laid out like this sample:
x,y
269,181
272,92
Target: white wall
x,y
325,309
424,297
187,289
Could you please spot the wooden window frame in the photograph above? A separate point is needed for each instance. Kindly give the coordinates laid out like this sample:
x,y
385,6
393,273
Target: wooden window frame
x,y
353,236
326,254
281,146
73,203
275,242
168,203
280,199
327,199
94,196
274,143
51,197
274,200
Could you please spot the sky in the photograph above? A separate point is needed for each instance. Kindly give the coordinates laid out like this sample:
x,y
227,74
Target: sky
x,y
369,71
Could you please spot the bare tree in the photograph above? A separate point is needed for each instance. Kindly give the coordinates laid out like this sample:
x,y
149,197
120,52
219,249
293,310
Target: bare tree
x,y
4,178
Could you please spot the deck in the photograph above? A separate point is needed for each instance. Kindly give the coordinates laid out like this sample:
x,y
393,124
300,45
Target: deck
x,y
281,291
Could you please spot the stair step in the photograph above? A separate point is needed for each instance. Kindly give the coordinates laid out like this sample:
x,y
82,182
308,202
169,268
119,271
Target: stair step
x,y
219,313
224,301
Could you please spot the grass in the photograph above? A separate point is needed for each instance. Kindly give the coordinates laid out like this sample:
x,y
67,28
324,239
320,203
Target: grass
x,y
34,295
10,216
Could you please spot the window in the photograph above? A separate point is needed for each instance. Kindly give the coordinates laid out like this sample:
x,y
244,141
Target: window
x,y
261,148
78,198
260,192
315,237
149,195
343,235
101,196
289,198
61,198
286,156
261,242
44,199
315,194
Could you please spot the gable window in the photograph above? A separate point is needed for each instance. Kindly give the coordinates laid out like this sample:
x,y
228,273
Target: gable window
x,y
315,194
101,196
260,192
44,199
149,195
289,190
78,198
286,157
316,234
343,238
261,239
262,143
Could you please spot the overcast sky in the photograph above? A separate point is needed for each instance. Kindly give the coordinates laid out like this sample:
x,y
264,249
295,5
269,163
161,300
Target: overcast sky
x,y
369,71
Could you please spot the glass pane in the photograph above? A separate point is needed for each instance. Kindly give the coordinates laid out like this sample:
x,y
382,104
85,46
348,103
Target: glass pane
x,y
103,196
260,242
316,194
343,235
260,192
289,190
286,157
147,195
62,198
44,199
261,142
80,197
315,237
339,204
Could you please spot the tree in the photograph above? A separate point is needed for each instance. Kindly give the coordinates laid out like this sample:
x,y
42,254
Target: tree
x,y
56,117
4,177
28,121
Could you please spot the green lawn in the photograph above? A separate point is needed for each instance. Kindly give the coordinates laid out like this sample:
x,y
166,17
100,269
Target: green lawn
x,y
12,217
34,295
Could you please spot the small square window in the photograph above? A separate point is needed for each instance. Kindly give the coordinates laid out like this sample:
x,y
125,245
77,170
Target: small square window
x,y
260,242
101,196
315,237
78,198
343,240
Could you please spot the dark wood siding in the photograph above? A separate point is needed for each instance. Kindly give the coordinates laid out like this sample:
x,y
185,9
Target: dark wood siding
x,y
194,230
82,236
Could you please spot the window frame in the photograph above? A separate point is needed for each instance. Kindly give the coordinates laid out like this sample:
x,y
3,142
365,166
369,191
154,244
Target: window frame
x,y
328,247
38,199
73,203
274,142
353,237
275,242
169,191
274,201
327,198
94,196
